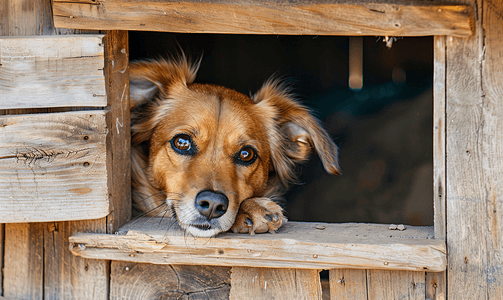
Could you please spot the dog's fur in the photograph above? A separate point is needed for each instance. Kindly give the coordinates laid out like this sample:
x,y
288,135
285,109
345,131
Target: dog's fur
x,y
219,123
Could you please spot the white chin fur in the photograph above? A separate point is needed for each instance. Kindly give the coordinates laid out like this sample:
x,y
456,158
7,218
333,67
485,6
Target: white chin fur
x,y
202,233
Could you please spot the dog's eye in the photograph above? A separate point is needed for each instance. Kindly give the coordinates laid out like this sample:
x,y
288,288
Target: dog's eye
x,y
182,143
246,156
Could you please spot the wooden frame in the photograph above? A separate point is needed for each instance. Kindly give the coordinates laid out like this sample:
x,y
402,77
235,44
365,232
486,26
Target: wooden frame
x,y
468,167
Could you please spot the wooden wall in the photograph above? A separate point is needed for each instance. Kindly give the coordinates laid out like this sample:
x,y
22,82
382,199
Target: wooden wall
x,y
36,259
37,263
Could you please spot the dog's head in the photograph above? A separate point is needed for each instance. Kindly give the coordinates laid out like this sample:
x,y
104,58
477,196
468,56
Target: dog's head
x,y
210,147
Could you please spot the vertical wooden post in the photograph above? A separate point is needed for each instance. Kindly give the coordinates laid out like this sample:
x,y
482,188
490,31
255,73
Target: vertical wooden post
x,y
436,282
119,141
474,152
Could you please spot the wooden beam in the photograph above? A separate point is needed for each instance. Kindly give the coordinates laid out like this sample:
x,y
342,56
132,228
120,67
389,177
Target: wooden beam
x,y
119,137
475,158
52,167
34,73
297,245
319,17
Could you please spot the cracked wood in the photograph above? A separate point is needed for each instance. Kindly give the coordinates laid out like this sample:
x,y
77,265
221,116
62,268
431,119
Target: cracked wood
x,y
53,167
34,73
320,17
296,245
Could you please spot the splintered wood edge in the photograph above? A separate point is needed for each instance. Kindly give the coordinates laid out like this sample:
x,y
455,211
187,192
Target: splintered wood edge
x,y
296,245
392,18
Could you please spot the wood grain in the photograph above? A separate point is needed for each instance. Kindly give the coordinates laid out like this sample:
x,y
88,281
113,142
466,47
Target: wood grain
x,y
67,276
264,283
436,285
119,137
2,240
297,245
53,167
395,18
475,158
24,261
130,280
348,284
34,73
395,285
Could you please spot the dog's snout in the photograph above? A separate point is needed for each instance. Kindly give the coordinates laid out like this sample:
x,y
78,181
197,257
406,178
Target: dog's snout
x,y
211,204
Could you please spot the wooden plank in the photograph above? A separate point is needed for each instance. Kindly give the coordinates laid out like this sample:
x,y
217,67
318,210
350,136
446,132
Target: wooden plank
x,y
34,73
17,18
348,284
439,136
475,158
395,285
24,261
146,281
436,285
265,283
53,167
395,18
119,138
296,245
64,273
2,241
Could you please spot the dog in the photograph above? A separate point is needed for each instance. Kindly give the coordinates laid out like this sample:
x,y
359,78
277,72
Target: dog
x,y
216,158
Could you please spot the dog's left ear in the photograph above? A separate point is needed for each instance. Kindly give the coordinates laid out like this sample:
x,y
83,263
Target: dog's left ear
x,y
300,132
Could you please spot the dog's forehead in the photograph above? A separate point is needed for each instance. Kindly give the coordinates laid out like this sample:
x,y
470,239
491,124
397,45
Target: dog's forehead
x,y
209,109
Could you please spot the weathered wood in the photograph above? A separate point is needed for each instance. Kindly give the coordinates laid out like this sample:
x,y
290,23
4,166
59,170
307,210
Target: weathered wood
x,y
264,283
25,257
18,18
396,18
439,136
395,285
35,73
119,138
130,280
475,158
436,285
2,240
53,167
64,272
24,261
348,284
296,245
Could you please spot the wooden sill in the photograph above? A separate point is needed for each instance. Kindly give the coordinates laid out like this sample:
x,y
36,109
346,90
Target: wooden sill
x,y
296,245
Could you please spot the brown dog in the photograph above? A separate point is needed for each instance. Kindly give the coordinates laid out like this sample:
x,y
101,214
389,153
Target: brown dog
x,y
217,157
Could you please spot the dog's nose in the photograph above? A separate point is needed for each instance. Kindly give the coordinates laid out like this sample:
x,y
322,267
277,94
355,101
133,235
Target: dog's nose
x,y
211,204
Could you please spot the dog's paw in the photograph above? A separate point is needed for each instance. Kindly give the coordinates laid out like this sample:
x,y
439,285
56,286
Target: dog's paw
x,y
258,215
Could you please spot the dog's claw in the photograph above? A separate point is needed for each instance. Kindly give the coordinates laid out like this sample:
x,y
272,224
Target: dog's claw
x,y
276,218
268,217
249,222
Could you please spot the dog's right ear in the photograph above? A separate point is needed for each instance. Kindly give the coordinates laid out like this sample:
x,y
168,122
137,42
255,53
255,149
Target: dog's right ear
x,y
149,78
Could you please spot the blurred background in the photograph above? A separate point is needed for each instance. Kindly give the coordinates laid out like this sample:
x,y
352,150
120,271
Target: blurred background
x,y
384,130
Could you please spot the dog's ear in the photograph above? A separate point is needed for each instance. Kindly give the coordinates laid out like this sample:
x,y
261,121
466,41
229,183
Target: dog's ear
x,y
149,78
298,130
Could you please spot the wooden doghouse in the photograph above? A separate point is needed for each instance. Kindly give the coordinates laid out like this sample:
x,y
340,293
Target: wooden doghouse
x,y
64,161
